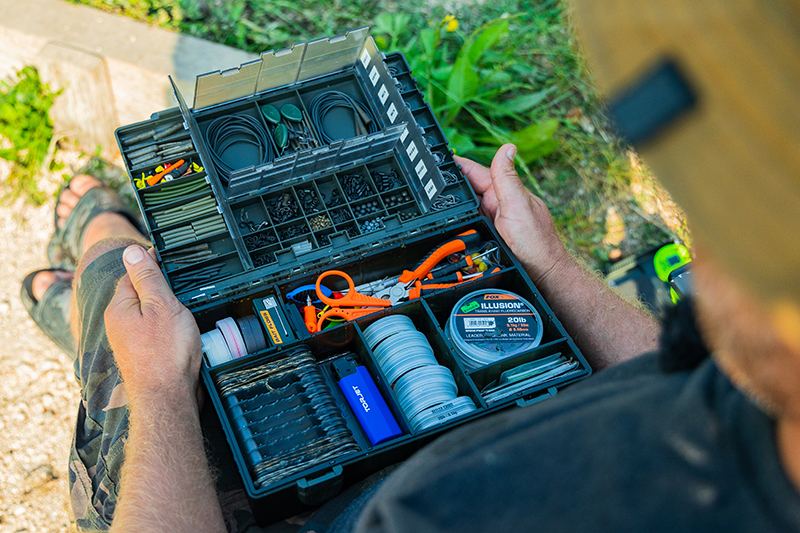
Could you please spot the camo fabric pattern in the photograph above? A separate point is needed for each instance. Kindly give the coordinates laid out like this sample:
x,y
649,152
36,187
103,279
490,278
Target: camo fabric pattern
x,y
101,430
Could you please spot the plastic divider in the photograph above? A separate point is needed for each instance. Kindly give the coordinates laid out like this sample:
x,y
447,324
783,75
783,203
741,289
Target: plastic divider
x,y
425,323
338,123
442,302
368,358
484,376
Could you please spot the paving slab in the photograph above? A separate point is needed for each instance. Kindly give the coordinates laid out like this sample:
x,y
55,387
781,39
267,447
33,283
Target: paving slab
x,y
136,58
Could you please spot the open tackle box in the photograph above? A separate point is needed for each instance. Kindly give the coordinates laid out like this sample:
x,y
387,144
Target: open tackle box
x,y
325,157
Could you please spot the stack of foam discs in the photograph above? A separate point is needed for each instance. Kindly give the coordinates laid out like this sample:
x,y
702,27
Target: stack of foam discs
x,y
233,339
489,325
420,384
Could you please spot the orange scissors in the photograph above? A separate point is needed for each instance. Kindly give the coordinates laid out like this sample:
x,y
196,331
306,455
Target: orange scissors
x,y
361,303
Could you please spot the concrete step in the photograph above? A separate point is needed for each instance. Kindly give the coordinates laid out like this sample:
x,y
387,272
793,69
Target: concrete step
x,y
113,69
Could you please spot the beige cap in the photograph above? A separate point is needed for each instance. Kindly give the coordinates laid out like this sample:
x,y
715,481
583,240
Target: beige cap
x,y
732,161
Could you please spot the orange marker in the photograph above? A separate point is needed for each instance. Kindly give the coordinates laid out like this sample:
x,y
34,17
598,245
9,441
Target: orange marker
x,y
155,179
310,316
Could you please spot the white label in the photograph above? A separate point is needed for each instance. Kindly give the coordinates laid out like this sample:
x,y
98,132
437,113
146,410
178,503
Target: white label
x,y
412,151
478,323
383,94
392,114
270,303
404,135
373,75
421,169
364,58
430,189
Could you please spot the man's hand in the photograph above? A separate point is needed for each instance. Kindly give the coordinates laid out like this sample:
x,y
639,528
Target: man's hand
x,y
166,483
155,340
607,329
521,218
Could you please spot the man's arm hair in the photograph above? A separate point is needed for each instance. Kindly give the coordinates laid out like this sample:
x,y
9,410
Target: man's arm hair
x,y
607,328
166,482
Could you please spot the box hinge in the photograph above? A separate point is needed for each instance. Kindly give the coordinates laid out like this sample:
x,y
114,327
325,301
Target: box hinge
x,y
524,402
320,489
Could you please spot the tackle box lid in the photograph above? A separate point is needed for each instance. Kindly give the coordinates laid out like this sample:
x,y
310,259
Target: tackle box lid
x,y
400,136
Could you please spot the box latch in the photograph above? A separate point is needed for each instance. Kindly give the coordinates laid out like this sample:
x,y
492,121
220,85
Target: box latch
x,y
320,489
522,402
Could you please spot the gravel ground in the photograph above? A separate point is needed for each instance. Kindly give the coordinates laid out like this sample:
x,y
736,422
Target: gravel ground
x,y
38,391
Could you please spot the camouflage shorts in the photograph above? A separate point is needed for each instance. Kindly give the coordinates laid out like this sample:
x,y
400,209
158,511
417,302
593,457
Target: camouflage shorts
x,y
97,451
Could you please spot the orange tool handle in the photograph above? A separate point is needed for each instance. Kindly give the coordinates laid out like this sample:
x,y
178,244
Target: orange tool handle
x,y
310,318
347,314
356,299
155,179
416,291
459,244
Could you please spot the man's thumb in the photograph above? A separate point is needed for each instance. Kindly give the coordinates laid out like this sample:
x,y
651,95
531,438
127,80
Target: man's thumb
x,y
146,276
505,180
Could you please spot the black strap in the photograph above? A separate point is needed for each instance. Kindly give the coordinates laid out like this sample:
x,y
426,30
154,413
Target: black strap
x,y
654,102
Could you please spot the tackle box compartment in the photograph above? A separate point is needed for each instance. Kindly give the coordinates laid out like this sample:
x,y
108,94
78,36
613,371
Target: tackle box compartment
x,y
366,192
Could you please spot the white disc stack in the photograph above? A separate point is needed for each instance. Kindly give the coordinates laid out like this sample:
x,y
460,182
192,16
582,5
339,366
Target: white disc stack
x,y
426,391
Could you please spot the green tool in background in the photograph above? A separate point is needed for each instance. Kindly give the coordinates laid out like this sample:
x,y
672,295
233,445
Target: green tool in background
x,y
648,276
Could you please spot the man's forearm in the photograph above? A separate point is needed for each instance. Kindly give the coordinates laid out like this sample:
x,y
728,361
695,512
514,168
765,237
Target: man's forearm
x,y
606,328
166,482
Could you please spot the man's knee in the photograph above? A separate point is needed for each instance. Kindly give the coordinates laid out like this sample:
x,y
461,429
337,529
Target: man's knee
x,y
104,246
96,279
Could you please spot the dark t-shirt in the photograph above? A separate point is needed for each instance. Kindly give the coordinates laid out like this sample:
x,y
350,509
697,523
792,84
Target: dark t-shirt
x,y
630,449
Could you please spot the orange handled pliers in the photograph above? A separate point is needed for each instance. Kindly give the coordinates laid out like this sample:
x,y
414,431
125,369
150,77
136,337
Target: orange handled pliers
x,y
410,284
361,303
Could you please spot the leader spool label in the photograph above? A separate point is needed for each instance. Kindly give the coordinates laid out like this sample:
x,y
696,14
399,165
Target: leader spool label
x,y
493,324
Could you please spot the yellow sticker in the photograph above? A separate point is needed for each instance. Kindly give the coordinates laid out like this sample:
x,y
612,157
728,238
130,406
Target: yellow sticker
x,y
270,325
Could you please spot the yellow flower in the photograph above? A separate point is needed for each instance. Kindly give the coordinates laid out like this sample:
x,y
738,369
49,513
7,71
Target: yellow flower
x,y
450,23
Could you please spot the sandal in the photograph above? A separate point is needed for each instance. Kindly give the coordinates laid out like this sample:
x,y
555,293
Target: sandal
x,y
51,313
64,249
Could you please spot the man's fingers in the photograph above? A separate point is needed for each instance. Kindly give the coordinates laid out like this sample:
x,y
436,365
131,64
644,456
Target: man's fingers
x,y
145,275
506,183
478,175
489,203
125,300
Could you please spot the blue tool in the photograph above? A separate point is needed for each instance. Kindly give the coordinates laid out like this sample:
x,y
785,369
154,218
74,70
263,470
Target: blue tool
x,y
366,401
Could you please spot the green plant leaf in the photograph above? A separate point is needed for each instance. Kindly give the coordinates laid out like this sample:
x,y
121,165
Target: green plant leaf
x,y
26,125
463,82
441,73
523,103
460,143
428,39
393,25
535,140
485,37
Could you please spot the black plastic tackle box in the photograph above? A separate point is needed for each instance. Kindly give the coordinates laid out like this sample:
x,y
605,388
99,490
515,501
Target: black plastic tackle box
x,y
286,176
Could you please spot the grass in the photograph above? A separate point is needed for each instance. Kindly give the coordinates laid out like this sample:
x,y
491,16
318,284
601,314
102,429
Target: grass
x,y
26,134
531,87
